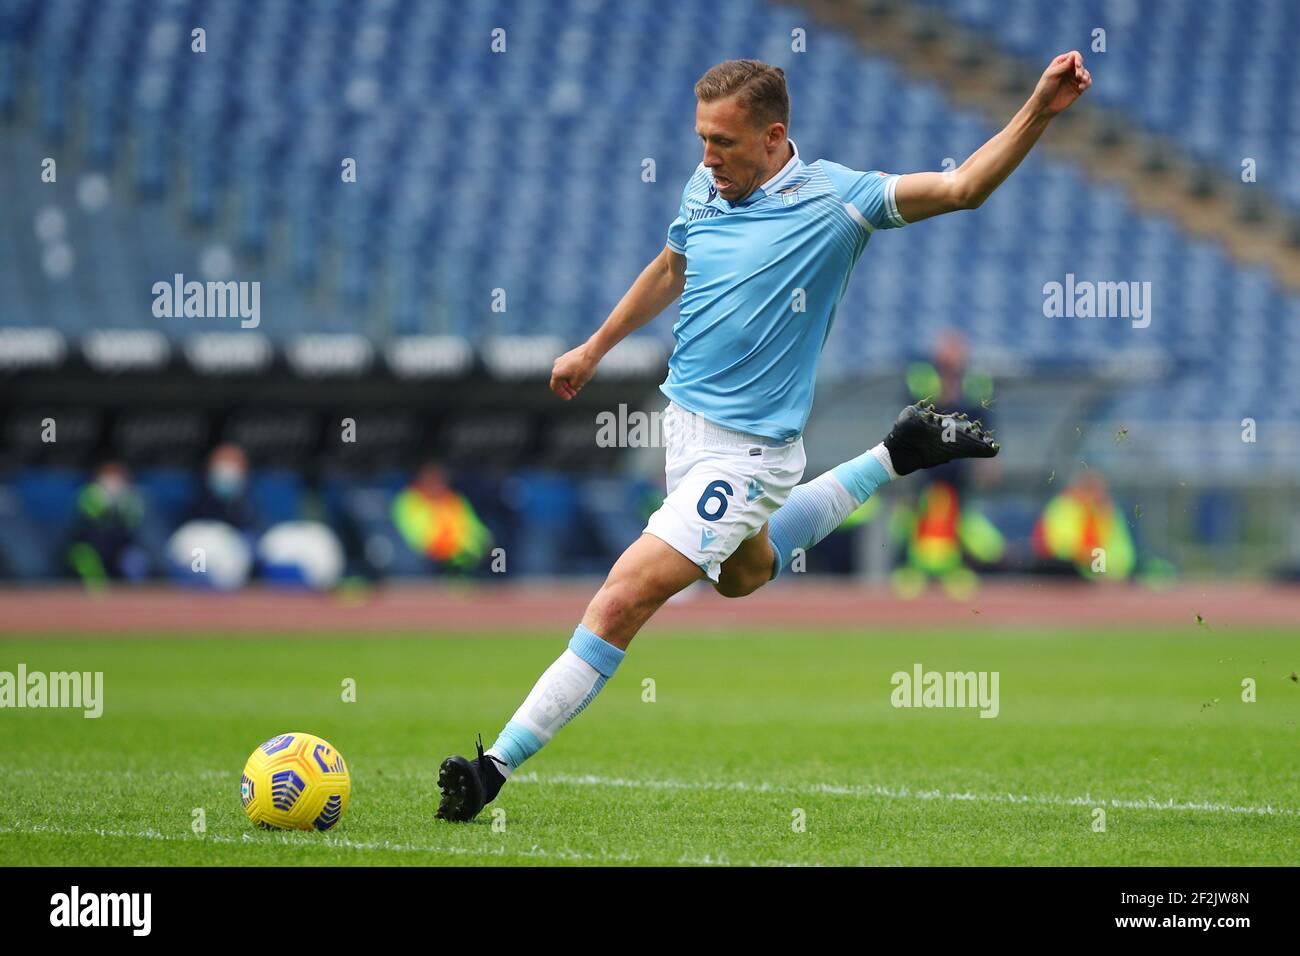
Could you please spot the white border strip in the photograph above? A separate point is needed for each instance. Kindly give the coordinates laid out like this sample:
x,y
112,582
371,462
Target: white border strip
x,y
891,204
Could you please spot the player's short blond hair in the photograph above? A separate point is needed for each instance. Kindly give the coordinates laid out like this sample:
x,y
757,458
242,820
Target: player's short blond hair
x,y
759,88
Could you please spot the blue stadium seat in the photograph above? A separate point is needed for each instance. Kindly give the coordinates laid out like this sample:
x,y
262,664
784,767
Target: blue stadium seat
x,y
471,162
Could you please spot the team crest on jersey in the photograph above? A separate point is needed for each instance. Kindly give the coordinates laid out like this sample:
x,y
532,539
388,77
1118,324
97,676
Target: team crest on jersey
x,y
789,195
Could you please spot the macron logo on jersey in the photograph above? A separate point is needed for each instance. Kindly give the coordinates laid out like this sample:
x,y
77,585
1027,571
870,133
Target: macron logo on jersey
x,y
706,211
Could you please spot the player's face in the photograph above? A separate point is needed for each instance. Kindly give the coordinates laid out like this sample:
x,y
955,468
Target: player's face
x,y
736,151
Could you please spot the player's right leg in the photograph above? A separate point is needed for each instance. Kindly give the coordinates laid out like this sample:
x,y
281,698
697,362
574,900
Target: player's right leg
x,y
722,487
647,574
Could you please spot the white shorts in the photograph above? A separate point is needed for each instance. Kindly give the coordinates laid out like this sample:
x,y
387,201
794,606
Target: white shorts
x,y
723,485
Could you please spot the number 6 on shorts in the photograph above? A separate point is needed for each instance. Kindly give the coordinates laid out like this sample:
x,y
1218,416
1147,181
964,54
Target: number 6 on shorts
x,y
714,490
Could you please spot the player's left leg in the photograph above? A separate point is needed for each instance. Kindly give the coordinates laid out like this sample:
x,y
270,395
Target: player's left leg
x,y
750,565
921,438
811,512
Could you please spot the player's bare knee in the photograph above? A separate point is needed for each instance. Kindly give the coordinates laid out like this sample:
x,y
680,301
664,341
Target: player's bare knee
x,y
728,588
610,607
623,603
738,583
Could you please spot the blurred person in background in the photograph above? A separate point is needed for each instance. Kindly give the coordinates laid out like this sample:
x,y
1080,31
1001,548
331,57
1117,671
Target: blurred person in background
x,y
105,539
225,490
941,539
1083,528
941,534
949,382
213,547
437,521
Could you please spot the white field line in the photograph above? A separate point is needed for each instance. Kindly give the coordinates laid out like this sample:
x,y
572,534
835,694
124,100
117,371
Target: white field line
x,y
862,790
907,793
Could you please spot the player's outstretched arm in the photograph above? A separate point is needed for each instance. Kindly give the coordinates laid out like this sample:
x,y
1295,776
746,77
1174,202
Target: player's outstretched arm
x,y
922,195
658,285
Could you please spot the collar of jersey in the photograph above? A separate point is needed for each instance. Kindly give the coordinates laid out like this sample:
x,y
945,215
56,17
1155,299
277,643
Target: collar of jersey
x,y
785,174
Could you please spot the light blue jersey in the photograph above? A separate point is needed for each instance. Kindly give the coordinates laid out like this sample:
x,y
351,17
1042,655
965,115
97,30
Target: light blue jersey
x,y
763,281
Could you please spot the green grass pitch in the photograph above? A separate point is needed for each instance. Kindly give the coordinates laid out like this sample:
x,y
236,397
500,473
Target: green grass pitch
x,y
746,730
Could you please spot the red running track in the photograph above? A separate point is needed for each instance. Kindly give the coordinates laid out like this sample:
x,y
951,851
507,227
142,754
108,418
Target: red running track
x,y
443,609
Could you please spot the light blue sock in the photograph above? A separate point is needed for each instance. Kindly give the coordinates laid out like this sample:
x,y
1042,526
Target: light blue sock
x,y
817,508
562,693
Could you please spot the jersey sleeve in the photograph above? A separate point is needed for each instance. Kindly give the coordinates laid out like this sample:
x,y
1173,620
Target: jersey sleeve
x,y
677,230
868,197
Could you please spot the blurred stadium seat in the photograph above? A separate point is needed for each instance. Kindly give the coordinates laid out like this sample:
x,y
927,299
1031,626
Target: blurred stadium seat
x,y
479,171
1205,74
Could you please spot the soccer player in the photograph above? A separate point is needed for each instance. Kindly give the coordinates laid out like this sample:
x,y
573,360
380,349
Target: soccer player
x,y
760,252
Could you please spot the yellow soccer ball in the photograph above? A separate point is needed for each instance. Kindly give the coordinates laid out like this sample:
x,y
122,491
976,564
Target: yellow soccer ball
x,y
295,782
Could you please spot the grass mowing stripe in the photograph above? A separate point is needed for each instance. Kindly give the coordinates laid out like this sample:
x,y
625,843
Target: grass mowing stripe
x,y
340,842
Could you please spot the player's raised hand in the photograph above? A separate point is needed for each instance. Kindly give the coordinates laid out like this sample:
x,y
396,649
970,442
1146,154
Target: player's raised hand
x,y
1062,83
571,371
